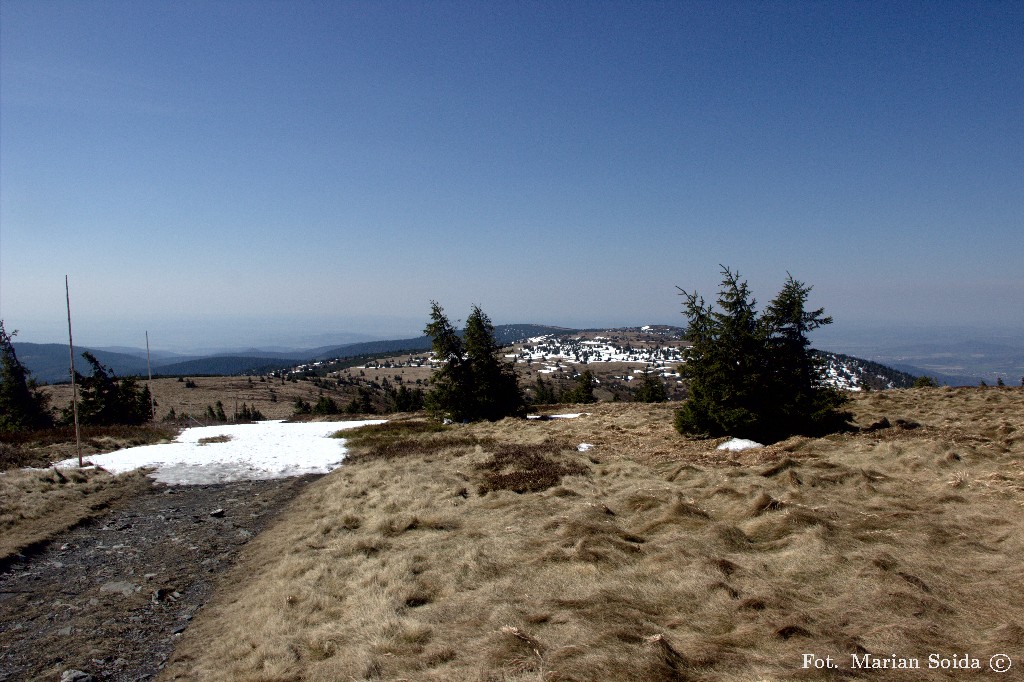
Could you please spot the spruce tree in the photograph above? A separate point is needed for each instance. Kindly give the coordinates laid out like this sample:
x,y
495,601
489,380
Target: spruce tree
x,y
326,405
494,389
725,365
449,393
583,392
23,406
402,399
806,405
107,399
754,377
472,382
543,393
651,389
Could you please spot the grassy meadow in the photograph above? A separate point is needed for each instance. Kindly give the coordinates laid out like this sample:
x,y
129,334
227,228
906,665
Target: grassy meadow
x,y
500,551
272,397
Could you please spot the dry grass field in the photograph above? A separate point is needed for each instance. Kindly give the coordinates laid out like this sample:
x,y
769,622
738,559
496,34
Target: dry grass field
x,y
502,552
272,397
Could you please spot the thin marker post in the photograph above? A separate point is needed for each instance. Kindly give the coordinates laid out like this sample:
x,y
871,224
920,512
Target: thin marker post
x,y
74,384
149,368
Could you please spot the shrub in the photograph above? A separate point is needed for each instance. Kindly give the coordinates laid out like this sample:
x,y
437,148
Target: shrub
x,y
325,405
527,468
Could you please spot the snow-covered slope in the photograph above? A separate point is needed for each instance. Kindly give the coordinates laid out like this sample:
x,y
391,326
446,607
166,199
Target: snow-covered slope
x,y
662,350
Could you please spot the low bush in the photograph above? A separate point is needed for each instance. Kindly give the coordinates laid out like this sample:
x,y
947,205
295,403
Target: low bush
x,y
391,440
528,468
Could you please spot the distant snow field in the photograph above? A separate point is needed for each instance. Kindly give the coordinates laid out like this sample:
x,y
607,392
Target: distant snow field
x,y
237,452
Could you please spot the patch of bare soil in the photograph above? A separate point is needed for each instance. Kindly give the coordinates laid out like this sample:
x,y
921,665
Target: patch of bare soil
x,y
111,596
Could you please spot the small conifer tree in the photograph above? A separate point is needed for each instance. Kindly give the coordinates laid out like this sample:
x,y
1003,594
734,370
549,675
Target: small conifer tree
x,y
808,405
326,405
22,405
107,399
755,377
651,389
472,382
583,391
543,392
725,364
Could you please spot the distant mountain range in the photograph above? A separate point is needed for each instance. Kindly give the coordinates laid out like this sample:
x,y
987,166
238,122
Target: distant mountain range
x,y
49,362
956,355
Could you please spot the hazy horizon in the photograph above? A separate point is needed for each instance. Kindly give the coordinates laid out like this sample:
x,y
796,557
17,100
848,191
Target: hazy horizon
x,y
279,170
213,336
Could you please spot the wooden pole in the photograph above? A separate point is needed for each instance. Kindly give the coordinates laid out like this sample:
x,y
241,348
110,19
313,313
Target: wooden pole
x,y
149,368
74,384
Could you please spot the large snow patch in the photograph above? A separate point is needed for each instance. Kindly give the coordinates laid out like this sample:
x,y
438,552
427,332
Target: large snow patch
x,y
270,449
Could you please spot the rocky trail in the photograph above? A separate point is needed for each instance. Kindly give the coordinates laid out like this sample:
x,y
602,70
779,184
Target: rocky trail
x,y
108,599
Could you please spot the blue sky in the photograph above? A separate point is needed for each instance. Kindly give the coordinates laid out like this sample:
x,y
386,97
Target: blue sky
x,y
234,172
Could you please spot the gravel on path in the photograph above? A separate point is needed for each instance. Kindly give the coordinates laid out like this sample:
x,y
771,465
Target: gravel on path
x,y
110,598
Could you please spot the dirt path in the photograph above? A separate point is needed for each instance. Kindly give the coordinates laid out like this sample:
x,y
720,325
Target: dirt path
x,y
110,598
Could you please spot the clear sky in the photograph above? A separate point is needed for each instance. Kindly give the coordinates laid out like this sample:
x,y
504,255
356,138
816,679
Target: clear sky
x,y
222,172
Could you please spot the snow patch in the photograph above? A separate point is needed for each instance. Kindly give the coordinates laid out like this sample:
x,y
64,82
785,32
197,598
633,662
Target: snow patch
x,y
568,415
269,449
739,444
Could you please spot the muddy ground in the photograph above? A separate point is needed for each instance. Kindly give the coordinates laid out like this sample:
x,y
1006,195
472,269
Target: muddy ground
x,y
110,597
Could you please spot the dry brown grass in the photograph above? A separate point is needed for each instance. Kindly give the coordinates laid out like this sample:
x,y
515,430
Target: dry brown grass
x,y
40,448
271,397
215,439
36,504
651,558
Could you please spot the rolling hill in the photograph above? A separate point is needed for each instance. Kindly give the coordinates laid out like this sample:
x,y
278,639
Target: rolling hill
x,y
48,362
658,345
